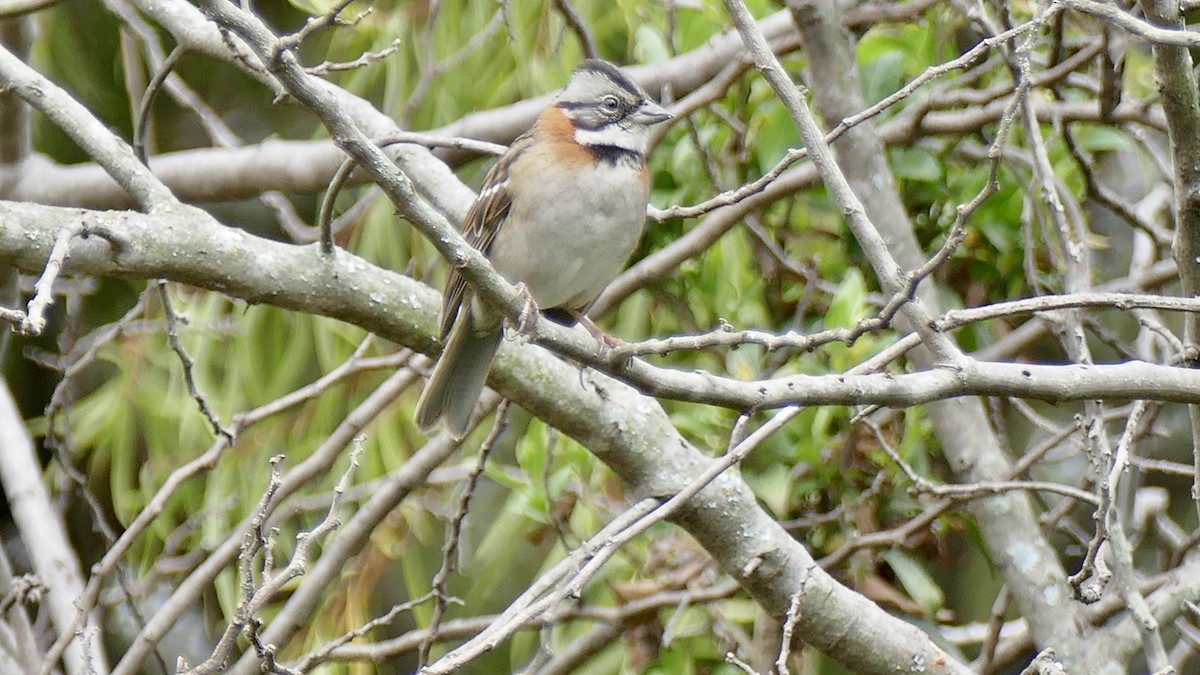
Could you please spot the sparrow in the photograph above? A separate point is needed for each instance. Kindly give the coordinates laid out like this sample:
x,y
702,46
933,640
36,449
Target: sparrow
x,y
558,215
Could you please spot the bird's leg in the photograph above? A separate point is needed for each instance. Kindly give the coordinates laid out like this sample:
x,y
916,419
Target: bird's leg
x,y
528,310
603,338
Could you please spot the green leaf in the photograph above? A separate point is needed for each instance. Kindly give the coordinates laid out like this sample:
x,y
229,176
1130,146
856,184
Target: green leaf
x,y
771,130
649,45
916,581
1101,138
849,303
773,487
882,76
914,163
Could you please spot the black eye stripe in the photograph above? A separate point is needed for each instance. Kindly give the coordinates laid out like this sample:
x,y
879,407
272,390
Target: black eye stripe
x,y
590,124
622,106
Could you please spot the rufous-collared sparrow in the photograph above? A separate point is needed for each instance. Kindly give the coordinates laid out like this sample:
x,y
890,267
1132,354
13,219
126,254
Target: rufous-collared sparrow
x,y
559,213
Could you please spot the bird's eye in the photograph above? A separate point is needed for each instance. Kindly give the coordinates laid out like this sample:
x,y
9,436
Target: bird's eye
x,y
610,104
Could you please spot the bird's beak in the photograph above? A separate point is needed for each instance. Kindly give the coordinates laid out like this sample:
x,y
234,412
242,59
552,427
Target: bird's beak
x,y
651,113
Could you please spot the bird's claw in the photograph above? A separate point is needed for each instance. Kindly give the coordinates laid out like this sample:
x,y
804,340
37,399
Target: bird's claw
x,y
604,340
528,311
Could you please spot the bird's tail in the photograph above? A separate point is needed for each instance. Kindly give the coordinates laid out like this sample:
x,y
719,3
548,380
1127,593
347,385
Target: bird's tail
x,y
458,377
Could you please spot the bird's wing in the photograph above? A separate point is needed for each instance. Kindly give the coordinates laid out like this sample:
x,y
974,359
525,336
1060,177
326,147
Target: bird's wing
x,y
483,222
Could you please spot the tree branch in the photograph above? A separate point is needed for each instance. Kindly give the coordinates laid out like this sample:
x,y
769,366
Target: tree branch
x,y
54,561
1177,86
653,459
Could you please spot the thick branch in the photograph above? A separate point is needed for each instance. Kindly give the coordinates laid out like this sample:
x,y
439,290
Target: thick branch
x,y
1173,70
296,277
54,560
97,140
629,432
1007,522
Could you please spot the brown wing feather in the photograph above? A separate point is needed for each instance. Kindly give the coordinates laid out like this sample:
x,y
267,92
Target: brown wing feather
x,y
483,221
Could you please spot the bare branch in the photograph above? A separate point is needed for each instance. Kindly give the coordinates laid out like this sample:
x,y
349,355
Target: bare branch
x,y
185,359
97,140
454,532
33,321
53,558
255,596
368,58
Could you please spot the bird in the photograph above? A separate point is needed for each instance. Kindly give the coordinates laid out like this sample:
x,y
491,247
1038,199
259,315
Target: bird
x,y
559,215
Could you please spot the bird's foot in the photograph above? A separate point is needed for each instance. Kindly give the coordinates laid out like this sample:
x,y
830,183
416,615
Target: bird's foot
x,y
528,311
606,341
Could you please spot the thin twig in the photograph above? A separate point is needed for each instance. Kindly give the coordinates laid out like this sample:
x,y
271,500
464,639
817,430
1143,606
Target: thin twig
x,y
1105,514
796,154
785,642
454,533
256,595
185,359
586,41
321,655
33,322
954,319
142,122
367,58
317,23
922,485
598,550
